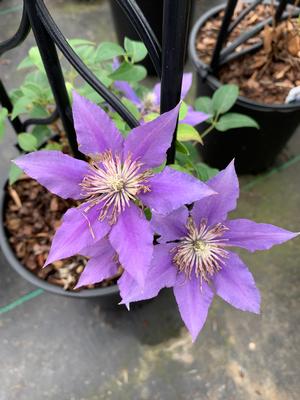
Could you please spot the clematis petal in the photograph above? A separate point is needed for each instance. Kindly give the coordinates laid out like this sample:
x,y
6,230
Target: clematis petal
x,y
194,117
186,84
235,284
127,91
132,238
78,230
193,302
162,273
253,236
172,226
172,189
95,131
100,266
215,208
156,92
150,141
58,172
185,87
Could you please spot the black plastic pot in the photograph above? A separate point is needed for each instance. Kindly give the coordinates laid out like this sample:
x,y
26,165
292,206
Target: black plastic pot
x,y
109,294
254,150
153,11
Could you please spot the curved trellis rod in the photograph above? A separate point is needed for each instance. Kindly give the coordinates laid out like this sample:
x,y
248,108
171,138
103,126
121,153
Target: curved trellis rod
x,y
144,30
169,62
80,66
243,14
19,36
252,32
221,56
42,121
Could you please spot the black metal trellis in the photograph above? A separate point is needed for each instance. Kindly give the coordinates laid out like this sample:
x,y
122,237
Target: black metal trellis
x,y
222,55
168,61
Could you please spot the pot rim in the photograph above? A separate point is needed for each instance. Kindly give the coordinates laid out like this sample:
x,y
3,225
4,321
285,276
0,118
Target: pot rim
x,y
33,279
203,69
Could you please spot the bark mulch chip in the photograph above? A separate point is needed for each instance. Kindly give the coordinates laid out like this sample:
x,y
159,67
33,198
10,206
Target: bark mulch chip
x,y
32,216
268,75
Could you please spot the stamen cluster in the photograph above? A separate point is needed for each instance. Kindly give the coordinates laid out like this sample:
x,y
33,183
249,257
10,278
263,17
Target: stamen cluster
x,y
201,250
113,184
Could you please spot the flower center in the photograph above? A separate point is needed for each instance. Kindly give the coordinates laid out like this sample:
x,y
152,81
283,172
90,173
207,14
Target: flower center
x,y
201,250
114,184
150,105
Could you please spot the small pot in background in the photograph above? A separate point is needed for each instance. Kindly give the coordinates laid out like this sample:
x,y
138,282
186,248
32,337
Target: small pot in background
x,y
254,150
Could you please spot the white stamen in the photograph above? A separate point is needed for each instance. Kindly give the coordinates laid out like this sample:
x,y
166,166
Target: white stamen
x,y
201,250
114,184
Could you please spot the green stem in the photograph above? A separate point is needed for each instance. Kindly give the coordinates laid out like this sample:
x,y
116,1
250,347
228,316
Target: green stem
x,y
209,129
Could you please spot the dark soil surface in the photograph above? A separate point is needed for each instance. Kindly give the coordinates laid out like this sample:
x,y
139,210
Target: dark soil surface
x,y
33,214
269,74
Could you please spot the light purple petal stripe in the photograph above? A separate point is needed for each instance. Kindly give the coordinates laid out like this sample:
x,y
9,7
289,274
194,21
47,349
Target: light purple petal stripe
x,y
96,132
101,266
132,238
171,226
193,302
162,273
185,87
58,172
77,231
171,189
215,208
127,91
150,141
236,285
194,117
254,236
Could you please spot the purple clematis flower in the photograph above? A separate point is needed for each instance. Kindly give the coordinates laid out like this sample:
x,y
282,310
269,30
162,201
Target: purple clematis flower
x,y
194,258
114,187
151,103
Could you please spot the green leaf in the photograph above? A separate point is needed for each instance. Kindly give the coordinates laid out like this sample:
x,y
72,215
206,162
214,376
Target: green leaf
x,y
20,107
26,63
183,111
128,72
150,117
181,148
132,108
38,111
41,133
204,172
178,167
137,51
15,94
187,132
69,88
205,105
85,52
27,142
235,120
3,116
80,42
31,90
224,98
108,51
53,146
14,173
35,57
88,92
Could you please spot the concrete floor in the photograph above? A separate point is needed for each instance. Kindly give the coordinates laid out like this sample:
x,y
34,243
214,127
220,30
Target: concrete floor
x,y
64,349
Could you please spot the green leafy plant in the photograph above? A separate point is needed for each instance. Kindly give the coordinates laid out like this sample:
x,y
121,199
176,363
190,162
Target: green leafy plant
x,y
34,99
218,106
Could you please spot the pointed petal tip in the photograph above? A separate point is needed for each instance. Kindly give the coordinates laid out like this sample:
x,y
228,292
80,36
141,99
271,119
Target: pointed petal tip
x,y
124,303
